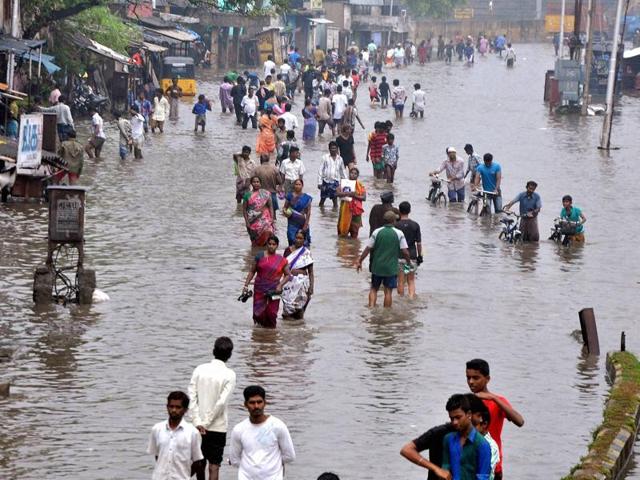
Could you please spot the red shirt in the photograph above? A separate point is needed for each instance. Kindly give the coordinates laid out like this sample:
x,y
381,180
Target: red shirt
x,y
377,141
497,421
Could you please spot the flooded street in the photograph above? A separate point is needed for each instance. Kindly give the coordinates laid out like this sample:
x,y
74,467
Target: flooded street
x,y
170,248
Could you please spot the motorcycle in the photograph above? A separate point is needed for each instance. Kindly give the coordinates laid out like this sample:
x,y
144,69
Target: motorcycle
x,y
563,231
7,178
84,99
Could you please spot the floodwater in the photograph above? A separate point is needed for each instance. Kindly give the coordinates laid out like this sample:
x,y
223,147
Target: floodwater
x,y
352,384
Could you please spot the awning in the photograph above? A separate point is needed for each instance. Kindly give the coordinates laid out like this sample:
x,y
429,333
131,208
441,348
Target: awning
x,y
152,47
98,48
634,52
19,45
175,34
47,61
320,21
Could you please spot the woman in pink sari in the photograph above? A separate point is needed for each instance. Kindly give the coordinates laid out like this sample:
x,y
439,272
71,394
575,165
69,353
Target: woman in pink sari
x,y
272,273
257,210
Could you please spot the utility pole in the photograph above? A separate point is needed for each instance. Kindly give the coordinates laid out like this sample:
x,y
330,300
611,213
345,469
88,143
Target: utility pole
x,y
561,39
15,32
587,58
391,27
605,139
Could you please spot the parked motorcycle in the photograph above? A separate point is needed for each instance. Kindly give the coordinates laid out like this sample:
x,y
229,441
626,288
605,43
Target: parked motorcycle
x,y
84,99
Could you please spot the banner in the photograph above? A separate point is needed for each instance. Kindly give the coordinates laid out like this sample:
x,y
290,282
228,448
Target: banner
x,y
30,143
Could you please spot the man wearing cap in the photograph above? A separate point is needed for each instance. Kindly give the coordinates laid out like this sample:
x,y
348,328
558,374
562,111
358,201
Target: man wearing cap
x,y
376,216
455,175
386,244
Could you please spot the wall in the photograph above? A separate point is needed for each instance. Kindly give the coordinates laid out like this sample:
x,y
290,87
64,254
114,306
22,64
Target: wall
x,y
517,31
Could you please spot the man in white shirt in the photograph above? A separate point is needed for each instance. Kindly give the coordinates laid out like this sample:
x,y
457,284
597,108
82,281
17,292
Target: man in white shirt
x,y
175,443
285,68
64,120
210,390
137,131
340,103
94,146
261,444
290,120
419,100
331,171
292,168
268,65
249,107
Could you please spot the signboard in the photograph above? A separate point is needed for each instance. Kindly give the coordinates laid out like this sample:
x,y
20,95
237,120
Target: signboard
x,y
463,13
552,23
66,214
30,141
315,4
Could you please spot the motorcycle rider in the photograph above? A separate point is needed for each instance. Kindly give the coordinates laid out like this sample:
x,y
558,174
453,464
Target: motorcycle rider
x,y
94,146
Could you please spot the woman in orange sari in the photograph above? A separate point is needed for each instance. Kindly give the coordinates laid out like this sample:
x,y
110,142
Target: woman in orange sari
x,y
267,138
350,217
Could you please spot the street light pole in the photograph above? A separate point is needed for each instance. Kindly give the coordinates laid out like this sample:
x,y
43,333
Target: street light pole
x,y
561,39
605,139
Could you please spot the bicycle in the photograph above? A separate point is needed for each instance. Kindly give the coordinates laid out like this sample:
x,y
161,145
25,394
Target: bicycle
x,y
480,197
511,232
435,192
563,231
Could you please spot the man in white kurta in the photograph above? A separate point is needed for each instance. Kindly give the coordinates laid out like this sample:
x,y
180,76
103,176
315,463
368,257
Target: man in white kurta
x,y
261,444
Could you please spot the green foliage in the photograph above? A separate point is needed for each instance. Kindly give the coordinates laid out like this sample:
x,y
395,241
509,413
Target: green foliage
x,y
99,24
433,8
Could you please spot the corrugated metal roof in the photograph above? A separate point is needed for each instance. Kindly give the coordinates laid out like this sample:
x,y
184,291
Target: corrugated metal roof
x,y
375,3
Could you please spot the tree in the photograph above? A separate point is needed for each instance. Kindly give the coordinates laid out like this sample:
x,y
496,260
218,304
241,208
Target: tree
x,y
433,8
37,14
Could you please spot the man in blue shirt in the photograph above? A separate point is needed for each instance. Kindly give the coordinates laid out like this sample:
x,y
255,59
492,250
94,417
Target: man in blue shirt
x,y
573,214
499,45
530,205
466,454
294,57
491,175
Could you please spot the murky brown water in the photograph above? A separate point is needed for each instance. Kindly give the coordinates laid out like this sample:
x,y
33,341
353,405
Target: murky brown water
x,y
353,385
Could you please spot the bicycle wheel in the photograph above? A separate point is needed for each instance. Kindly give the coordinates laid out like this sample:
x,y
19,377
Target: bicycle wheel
x,y
502,235
472,204
430,196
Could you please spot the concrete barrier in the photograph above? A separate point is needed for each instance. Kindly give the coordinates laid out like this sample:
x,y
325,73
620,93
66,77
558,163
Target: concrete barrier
x,y
613,440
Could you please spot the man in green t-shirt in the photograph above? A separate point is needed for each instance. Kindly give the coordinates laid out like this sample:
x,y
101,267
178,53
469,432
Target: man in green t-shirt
x,y
386,244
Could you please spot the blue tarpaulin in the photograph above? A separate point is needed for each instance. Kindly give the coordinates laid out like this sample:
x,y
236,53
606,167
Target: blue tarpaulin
x,y
47,61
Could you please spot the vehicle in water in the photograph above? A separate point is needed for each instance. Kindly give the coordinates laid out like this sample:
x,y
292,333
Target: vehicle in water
x,y
510,232
435,192
563,231
182,68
